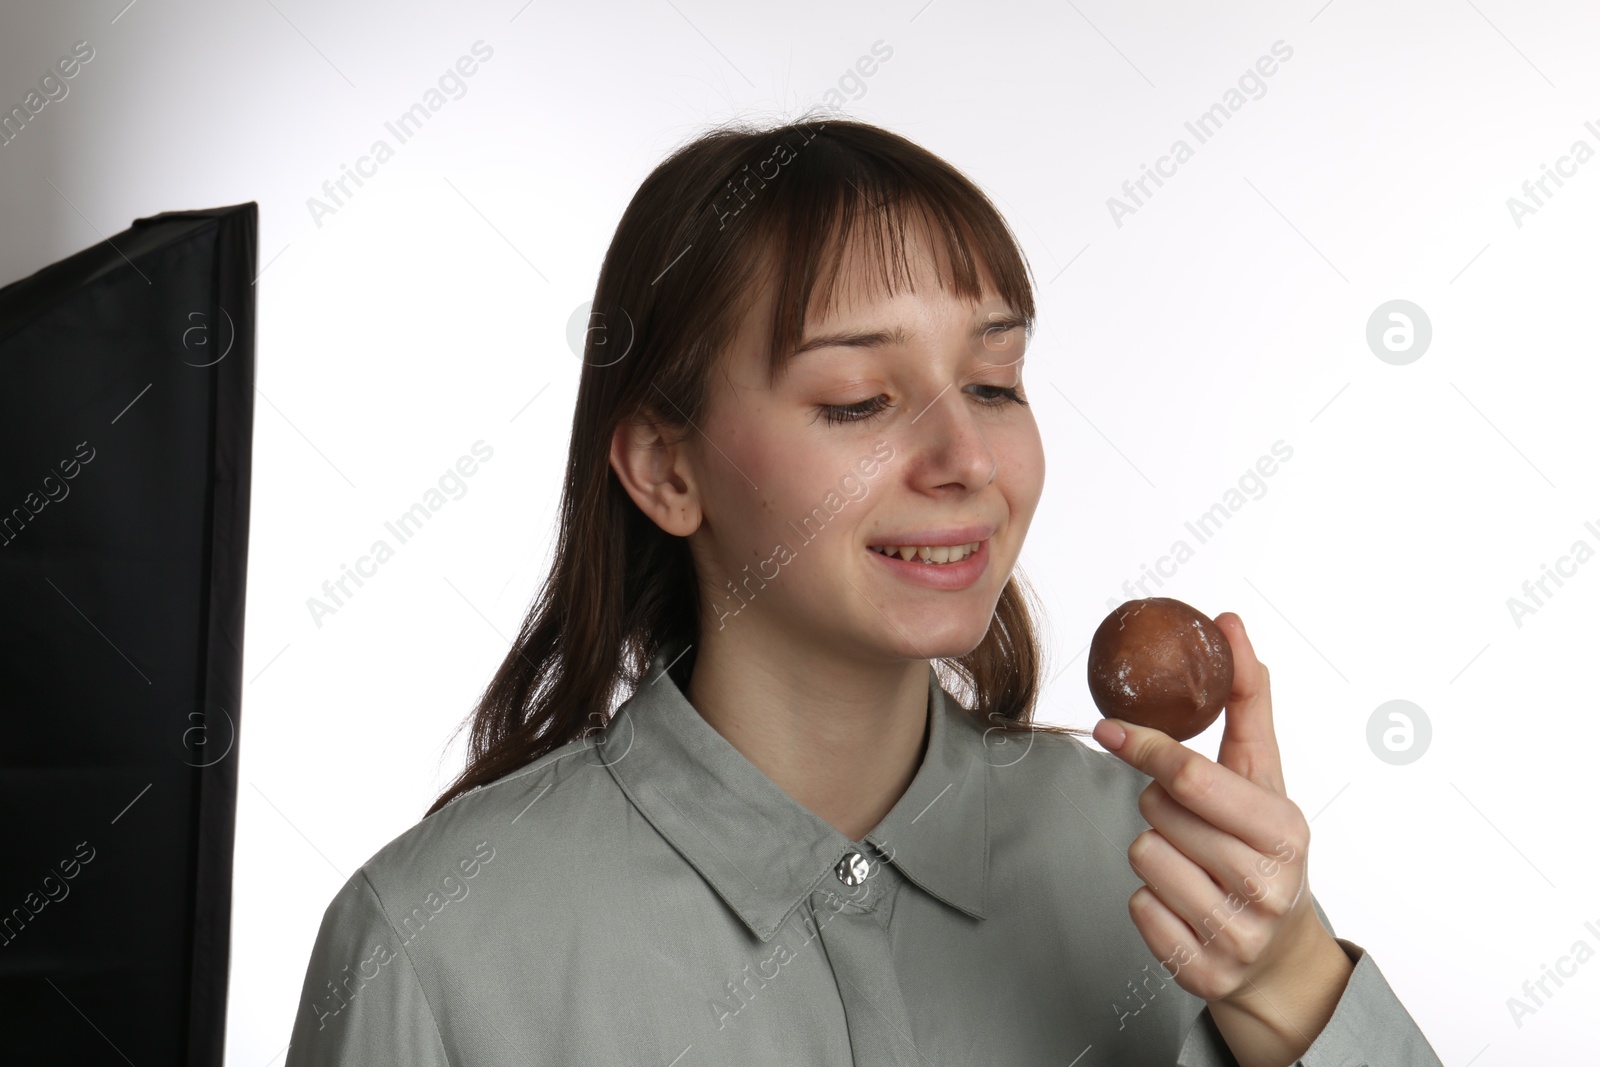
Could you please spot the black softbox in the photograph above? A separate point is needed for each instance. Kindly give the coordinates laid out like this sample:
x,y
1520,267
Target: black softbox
x,y
126,398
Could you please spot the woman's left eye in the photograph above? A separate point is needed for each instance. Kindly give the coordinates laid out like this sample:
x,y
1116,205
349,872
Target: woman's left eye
x,y
861,409
1004,394
833,414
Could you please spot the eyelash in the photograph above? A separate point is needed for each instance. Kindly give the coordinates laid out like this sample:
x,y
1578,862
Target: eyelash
x,y
862,410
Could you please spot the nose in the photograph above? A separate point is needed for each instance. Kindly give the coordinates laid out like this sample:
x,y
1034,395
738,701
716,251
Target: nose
x,y
948,446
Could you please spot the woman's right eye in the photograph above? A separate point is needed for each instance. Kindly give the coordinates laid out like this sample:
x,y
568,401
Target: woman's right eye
x,y
860,410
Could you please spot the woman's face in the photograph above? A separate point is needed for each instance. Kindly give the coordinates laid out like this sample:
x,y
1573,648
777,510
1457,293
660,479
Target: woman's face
x,y
894,425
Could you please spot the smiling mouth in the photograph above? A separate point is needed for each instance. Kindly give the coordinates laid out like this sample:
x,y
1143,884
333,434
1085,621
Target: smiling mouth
x,y
933,555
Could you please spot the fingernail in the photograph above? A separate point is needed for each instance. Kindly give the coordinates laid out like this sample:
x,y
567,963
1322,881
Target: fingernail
x,y
1110,734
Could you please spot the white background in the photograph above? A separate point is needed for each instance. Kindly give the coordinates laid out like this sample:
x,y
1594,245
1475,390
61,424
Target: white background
x,y
1229,312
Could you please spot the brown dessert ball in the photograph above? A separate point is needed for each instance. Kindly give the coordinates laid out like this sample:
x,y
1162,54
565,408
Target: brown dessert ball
x,y
1160,663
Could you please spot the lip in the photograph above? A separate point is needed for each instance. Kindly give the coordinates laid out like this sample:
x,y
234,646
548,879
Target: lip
x,y
947,576
958,535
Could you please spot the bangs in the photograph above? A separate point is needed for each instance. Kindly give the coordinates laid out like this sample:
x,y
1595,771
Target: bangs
x,y
857,202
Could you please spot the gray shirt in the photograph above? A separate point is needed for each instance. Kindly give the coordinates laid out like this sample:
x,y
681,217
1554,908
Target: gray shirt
x,y
646,895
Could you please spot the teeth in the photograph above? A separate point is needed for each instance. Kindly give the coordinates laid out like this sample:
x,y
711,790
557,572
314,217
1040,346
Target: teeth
x,y
929,554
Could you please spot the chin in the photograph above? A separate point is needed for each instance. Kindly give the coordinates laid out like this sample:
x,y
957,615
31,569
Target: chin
x,y
917,640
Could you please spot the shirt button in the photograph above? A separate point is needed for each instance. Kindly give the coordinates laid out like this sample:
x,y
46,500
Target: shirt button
x,y
853,869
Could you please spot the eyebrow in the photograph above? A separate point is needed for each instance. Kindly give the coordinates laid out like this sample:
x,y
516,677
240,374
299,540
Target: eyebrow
x,y
896,336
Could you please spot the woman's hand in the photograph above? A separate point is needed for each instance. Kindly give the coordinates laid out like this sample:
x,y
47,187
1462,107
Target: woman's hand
x,y
1226,906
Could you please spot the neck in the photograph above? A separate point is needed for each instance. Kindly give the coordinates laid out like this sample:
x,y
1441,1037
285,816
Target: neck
x,y
844,737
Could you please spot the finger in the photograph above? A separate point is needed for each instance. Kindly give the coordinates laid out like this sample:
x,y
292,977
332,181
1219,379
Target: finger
x,y
1190,910
1181,883
1216,920
1225,799
1169,938
1199,968
1249,740
1229,862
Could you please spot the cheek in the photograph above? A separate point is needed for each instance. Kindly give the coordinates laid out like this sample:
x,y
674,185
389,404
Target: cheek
x,y
736,460
803,507
760,481
1023,450
1022,470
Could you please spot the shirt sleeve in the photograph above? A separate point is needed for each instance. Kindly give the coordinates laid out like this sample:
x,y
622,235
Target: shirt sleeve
x,y
361,1002
1369,1025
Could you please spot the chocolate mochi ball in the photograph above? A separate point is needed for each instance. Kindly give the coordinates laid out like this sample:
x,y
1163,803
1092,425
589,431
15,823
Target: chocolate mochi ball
x,y
1160,663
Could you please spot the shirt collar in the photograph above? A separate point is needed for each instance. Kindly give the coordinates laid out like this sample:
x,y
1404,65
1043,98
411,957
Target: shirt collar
x,y
760,849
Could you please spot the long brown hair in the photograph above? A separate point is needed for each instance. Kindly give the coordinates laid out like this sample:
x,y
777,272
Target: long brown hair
x,y
732,209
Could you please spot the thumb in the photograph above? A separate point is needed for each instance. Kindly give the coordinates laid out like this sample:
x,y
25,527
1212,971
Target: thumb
x,y
1249,742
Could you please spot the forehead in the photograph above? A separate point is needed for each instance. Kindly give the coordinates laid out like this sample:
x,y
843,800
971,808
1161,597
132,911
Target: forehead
x,y
887,254
813,262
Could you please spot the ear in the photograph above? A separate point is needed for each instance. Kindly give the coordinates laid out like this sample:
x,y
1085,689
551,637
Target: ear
x,y
656,473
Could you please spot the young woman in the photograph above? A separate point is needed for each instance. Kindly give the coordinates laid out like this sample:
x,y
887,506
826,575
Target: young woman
x,y
822,828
